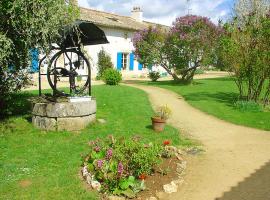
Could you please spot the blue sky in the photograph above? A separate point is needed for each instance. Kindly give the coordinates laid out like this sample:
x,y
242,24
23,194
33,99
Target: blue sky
x,y
164,11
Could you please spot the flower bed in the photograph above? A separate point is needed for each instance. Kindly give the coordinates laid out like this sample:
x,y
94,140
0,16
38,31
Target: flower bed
x,y
120,167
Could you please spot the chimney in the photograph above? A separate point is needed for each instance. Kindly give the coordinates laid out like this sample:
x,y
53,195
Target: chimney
x,y
74,2
137,14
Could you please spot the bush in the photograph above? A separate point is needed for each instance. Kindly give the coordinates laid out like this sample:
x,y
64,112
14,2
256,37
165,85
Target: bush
x,y
154,76
118,173
104,62
111,77
248,106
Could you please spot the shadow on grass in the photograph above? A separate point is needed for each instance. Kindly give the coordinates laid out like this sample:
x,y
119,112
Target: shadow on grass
x,y
19,105
254,187
224,97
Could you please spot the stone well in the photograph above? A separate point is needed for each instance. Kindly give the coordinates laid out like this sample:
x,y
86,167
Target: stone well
x,y
69,116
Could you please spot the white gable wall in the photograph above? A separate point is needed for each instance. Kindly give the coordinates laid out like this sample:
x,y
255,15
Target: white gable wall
x,y
119,41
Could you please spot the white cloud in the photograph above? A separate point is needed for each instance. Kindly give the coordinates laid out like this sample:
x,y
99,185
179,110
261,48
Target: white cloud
x,y
163,11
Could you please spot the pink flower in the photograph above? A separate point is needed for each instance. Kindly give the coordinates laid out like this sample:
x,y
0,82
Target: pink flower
x,y
120,168
109,154
100,163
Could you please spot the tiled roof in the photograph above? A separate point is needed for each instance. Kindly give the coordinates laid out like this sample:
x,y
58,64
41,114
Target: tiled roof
x,y
115,21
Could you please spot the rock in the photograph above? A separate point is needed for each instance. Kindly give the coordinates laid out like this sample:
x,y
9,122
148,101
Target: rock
x,y
102,121
44,123
89,179
116,198
179,157
74,123
161,195
170,188
65,109
182,165
84,171
69,116
96,185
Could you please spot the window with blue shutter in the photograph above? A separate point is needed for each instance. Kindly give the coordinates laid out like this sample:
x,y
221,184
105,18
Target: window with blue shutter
x,y
140,66
131,62
119,61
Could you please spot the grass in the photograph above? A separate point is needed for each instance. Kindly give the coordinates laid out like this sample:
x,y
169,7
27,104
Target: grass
x,y
49,162
217,97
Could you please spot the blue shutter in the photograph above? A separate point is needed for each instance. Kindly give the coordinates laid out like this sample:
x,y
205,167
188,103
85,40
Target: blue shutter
x,y
140,66
119,61
131,62
34,63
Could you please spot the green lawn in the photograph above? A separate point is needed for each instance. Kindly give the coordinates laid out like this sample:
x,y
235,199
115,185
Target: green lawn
x,y
217,97
51,161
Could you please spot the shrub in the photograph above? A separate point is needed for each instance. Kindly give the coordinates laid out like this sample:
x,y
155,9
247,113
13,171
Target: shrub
x,y
115,171
111,77
244,50
154,76
104,62
248,106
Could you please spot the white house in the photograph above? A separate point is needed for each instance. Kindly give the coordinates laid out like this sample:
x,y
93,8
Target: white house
x,y
119,31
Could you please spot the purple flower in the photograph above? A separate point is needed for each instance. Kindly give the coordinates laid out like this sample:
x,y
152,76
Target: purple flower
x,y
100,163
120,168
109,154
97,149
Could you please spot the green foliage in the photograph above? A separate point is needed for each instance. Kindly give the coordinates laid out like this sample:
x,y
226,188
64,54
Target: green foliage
x,y
25,25
248,106
117,172
154,75
245,51
104,62
112,76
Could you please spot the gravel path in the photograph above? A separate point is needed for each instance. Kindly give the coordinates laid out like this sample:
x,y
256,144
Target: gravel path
x,y
236,161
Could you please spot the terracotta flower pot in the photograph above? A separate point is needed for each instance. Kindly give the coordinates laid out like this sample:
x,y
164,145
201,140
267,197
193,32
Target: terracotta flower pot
x,y
158,124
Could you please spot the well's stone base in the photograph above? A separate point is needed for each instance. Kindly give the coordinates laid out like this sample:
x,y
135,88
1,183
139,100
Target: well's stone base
x,y
69,116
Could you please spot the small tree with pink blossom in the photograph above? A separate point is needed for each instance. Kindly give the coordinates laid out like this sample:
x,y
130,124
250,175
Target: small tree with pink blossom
x,y
189,44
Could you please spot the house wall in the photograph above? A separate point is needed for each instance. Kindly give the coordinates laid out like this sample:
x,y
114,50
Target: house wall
x,y
119,41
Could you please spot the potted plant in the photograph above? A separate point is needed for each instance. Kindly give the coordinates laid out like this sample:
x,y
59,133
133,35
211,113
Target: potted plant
x,y
159,120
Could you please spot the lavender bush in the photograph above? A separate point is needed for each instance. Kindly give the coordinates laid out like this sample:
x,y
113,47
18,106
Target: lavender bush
x,y
189,44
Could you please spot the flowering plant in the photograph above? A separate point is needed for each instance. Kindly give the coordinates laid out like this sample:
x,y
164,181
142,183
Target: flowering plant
x,y
163,112
189,44
112,171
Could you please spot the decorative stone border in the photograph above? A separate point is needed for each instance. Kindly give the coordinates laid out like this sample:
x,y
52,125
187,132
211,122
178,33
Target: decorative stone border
x,y
69,116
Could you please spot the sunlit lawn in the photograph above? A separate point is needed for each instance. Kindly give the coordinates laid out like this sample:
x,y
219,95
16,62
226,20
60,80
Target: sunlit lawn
x,y
36,164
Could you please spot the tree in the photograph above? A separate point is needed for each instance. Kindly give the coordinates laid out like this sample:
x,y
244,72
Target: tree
x,y
25,25
189,44
246,50
104,62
